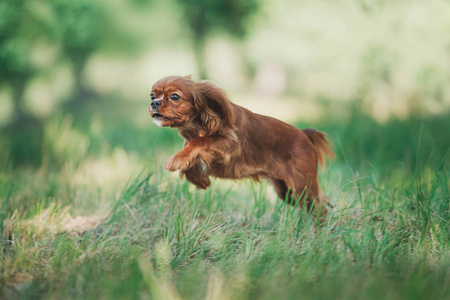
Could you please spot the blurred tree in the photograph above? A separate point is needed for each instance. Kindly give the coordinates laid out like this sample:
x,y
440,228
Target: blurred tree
x,y
22,23
86,27
80,25
204,16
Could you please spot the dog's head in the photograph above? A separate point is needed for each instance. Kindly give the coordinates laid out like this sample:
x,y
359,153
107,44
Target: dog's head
x,y
181,102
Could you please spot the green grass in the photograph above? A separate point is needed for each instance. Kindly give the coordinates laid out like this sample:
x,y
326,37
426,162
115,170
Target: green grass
x,y
160,238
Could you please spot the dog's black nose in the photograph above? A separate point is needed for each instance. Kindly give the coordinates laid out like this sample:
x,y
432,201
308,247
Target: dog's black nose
x,y
155,104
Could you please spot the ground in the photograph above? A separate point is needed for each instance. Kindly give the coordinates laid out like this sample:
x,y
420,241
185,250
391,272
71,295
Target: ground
x,y
88,212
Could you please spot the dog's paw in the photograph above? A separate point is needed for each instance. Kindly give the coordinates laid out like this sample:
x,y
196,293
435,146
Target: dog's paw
x,y
176,163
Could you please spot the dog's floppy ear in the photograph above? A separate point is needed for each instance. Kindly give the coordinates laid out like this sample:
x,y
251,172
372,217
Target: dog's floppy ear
x,y
215,110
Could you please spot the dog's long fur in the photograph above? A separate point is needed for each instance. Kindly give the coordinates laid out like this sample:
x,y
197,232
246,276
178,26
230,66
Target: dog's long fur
x,y
225,140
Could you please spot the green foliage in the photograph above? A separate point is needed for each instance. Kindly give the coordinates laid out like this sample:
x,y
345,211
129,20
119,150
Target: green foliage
x,y
85,27
15,62
18,26
80,25
204,16
22,24
14,56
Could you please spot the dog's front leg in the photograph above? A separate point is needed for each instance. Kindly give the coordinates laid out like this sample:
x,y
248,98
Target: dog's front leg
x,y
198,150
197,175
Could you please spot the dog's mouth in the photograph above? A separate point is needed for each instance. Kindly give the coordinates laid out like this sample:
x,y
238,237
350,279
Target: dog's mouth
x,y
155,115
160,116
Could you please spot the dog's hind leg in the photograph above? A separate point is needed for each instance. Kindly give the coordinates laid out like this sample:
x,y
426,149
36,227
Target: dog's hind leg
x,y
298,191
287,191
281,189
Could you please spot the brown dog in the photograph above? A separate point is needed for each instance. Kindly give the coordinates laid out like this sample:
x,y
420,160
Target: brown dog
x,y
225,140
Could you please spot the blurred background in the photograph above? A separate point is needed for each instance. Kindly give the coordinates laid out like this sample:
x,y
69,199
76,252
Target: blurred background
x,y
75,76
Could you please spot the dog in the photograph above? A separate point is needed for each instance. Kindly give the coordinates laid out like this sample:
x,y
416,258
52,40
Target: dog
x,y
225,140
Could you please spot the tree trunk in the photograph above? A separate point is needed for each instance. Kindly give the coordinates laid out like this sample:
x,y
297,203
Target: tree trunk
x,y
79,59
78,65
200,56
18,91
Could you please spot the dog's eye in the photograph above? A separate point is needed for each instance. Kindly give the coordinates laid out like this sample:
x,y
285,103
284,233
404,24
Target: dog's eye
x,y
152,96
175,97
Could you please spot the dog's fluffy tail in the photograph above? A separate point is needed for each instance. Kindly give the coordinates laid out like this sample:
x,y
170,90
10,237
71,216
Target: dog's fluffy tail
x,y
319,141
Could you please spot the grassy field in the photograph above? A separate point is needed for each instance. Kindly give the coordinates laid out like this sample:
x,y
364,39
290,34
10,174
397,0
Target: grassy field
x,y
88,213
